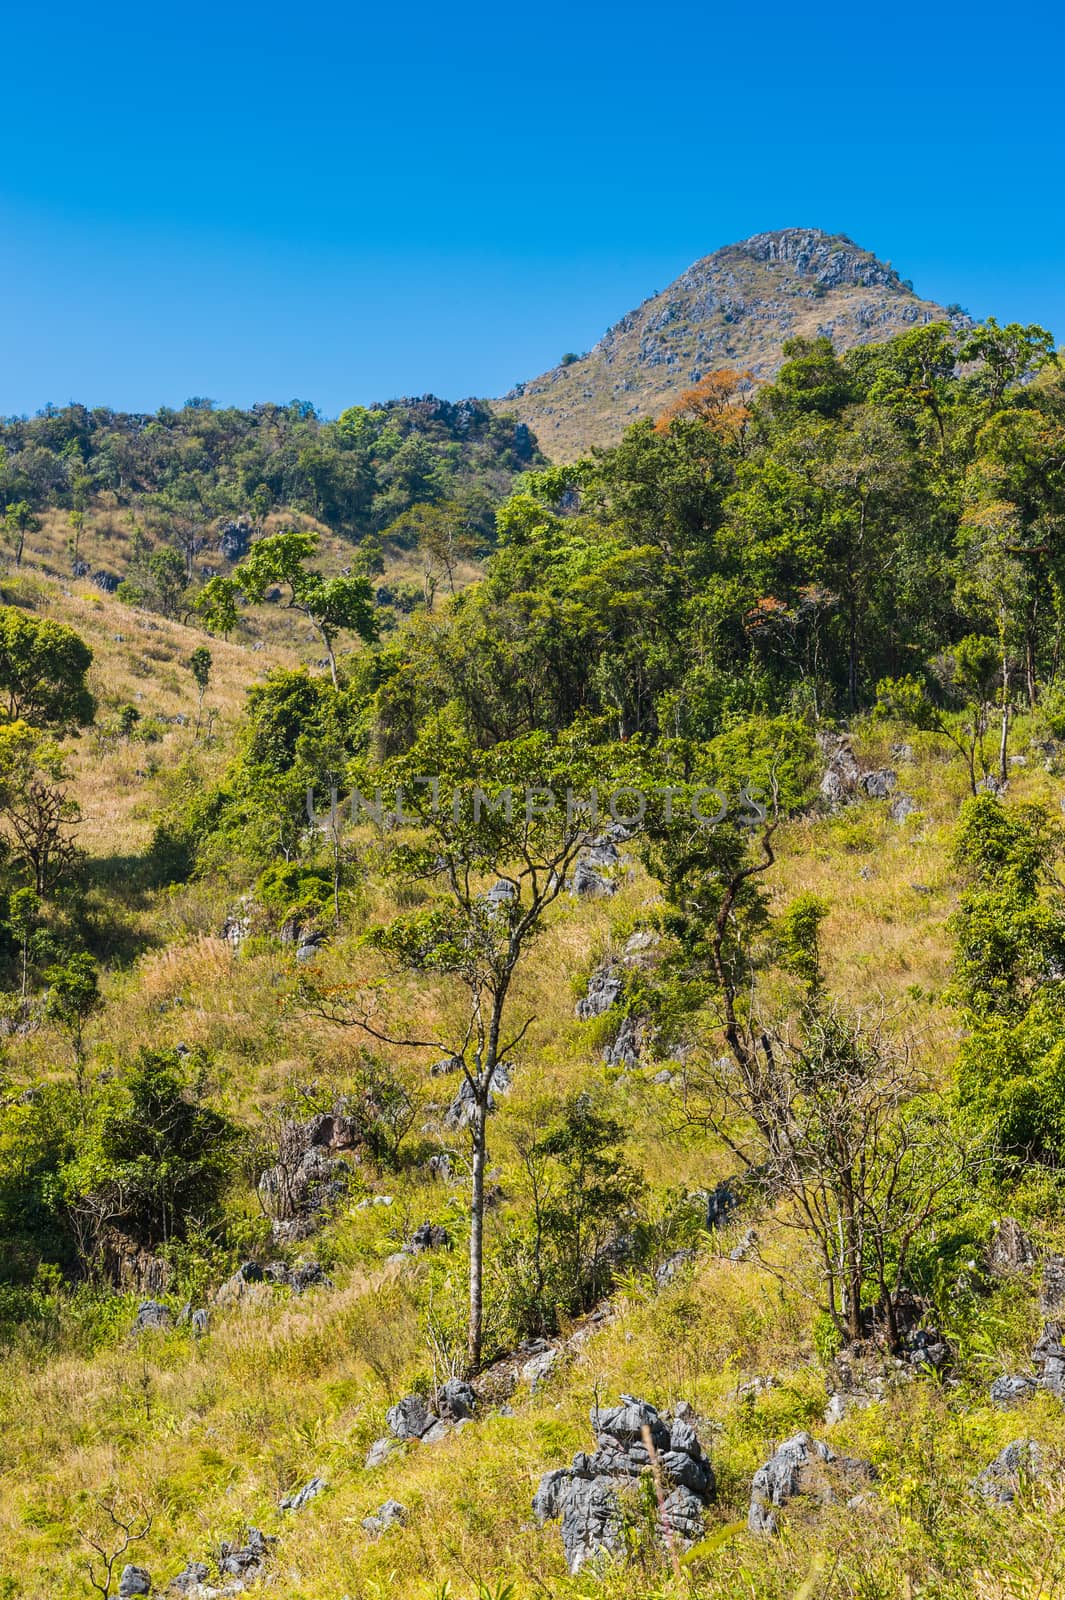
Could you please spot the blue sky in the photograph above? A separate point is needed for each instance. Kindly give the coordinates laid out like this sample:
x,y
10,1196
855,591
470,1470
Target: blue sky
x,y
345,203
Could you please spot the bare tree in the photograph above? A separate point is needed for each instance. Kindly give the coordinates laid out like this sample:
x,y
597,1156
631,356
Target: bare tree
x,y
110,1545
862,1162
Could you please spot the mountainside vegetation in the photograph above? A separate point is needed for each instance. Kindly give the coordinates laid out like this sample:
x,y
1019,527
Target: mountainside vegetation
x,y
600,1002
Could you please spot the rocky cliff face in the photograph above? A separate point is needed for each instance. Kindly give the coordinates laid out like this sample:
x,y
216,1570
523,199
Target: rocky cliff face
x,y
734,308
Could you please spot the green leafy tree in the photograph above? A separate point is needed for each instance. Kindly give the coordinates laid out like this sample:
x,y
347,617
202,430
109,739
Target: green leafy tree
x,y
42,670
73,997
1009,948
485,817
200,667
970,674
23,918
582,1196
19,520
332,605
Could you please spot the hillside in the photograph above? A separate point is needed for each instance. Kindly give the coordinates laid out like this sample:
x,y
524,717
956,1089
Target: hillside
x,y
621,991
734,308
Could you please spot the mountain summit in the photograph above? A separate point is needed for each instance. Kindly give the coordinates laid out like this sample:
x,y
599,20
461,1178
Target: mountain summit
x,y
734,308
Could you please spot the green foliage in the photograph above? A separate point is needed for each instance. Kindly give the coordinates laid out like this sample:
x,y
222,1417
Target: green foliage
x,y
200,667
42,671
332,605
582,1197
798,930
165,1154
73,996
38,815
1010,945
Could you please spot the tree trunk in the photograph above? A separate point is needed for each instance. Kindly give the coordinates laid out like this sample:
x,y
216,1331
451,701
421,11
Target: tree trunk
x,y
476,1317
1004,734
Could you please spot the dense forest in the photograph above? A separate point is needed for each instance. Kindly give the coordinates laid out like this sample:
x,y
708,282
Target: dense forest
x,y
632,970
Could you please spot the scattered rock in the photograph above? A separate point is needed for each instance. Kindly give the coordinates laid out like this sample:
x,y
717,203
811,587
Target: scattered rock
x,y
641,949
150,1314
390,1515
901,807
410,1418
134,1580
1012,1390
746,1246
835,1409
379,1453
297,1501
798,1467
927,1348
457,1400
669,1268
445,1066
720,1203
1048,1356
1020,1463
604,988
189,1580
429,1236
1052,1288
502,892
1011,1251
588,1497
879,784
902,753
306,1275
625,1050
247,1560
539,1368
460,1112
594,868
237,926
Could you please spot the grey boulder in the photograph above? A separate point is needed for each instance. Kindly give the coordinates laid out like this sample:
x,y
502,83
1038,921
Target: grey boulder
x,y
587,1498
1013,1389
1018,1464
297,1501
410,1418
390,1515
798,1468
151,1314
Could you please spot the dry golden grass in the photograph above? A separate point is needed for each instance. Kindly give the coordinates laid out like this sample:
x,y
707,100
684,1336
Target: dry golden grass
x,y
209,1434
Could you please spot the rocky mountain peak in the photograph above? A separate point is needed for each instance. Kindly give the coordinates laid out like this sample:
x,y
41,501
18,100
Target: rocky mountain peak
x,y
734,308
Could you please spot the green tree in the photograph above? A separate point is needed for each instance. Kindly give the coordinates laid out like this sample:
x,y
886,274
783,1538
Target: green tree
x,y
332,605
23,918
1009,933
582,1195
42,670
19,520
499,814
200,667
73,997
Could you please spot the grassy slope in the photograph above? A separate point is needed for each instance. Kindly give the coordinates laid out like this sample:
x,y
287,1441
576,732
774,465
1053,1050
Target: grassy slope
x,y
210,1433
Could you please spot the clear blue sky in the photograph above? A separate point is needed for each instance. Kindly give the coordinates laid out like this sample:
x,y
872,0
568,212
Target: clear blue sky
x,y
342,203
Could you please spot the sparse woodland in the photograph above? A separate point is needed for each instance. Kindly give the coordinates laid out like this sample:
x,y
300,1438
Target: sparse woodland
x,y
354,1151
